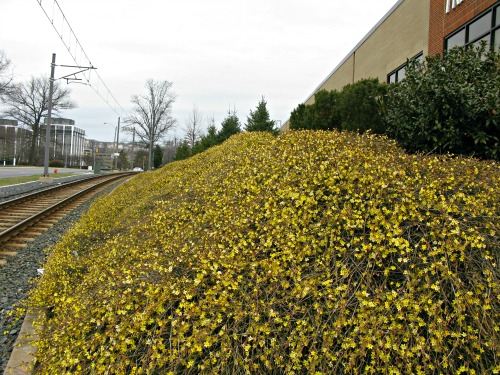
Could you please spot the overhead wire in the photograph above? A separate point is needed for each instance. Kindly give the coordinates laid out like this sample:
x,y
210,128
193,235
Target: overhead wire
x,y
83,60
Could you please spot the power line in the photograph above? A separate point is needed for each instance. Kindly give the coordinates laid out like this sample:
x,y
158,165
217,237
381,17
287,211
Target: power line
x,y
68,37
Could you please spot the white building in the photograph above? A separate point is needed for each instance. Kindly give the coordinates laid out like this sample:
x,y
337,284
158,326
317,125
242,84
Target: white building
x,y
67,141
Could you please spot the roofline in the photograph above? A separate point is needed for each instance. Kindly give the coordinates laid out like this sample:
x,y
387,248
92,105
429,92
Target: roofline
x,y
380,22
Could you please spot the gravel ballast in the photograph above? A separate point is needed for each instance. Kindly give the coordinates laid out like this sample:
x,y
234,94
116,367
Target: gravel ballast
x,y
15,276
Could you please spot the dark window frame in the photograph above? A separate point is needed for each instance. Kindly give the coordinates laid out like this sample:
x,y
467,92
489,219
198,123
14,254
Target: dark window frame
x,y
402,67
490,33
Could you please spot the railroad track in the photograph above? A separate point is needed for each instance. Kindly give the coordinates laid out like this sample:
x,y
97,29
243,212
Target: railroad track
x,y
22,219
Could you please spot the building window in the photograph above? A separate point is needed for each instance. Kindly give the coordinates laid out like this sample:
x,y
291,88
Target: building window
x,y
399,74
457,39
482,28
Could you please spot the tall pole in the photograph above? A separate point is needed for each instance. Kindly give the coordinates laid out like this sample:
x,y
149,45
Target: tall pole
x,y
152,129
49,119
117,137
15,145
117,134
133,147
150,153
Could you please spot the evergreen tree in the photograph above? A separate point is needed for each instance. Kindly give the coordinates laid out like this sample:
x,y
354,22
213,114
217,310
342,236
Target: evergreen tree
x,y
123,162
208,140
183,151
230,126
300,117
360,106
140,159
157,156
322,114
259,120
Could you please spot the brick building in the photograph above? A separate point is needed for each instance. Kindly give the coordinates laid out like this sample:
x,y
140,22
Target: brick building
x,y
463,22
413,29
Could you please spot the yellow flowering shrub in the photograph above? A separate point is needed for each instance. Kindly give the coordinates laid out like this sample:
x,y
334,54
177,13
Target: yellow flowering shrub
x,y
307,253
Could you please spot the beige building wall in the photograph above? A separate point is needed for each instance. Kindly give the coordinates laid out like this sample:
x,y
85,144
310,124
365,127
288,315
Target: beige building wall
x,y
401,34
342,76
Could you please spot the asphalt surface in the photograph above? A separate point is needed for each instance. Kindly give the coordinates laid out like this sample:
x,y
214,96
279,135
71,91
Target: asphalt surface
x,y
34,171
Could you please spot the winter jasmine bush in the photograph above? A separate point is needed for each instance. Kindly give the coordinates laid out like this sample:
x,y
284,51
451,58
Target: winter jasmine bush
x,y
307,253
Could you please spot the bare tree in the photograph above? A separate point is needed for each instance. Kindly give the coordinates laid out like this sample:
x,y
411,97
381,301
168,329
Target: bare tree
x,y
6,77
193,128
28,103
152,114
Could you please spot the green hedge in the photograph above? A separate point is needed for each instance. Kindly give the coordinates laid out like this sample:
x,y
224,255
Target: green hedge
x,y
357,107
448,103
56,163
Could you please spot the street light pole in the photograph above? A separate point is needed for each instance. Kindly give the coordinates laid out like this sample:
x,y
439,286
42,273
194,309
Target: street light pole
x,y
116,140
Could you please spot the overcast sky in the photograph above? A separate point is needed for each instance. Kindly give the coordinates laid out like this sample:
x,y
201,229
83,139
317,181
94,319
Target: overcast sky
x,y
219,54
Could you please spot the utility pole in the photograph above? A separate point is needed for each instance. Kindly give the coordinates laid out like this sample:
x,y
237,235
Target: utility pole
x,y
94,151
133,147
49,110
117,138
49,119
150,161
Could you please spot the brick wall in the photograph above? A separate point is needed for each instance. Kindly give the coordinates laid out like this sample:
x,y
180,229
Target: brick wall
x,y
442,24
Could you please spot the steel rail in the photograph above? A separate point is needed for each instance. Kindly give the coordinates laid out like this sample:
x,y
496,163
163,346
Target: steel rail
x,y
42,190
47,211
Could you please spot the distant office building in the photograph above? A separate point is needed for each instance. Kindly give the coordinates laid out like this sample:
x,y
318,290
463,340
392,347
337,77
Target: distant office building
x,y
14,143
413,29
103,153
67,141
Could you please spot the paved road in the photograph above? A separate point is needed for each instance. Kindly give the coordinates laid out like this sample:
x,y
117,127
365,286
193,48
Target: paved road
x,y
34,171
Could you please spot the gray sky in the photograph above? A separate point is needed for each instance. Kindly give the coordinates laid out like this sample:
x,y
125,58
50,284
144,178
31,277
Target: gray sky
x,y
218,54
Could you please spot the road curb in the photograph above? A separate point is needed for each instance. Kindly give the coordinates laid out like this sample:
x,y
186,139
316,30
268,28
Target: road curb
x,y
22,361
